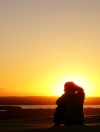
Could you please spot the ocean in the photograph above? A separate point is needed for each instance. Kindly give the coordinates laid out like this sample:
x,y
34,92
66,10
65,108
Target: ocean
x,y
48,106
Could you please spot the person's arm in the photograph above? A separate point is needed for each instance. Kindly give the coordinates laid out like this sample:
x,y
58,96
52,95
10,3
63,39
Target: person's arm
x,y
60,100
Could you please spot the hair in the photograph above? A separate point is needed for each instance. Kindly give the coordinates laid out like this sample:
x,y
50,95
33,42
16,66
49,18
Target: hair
x,y
69,86
80,91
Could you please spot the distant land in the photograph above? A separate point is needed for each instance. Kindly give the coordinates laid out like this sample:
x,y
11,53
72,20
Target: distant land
x,y
40,100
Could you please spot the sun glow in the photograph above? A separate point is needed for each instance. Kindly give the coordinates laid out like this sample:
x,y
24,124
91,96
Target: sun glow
x,y
59,85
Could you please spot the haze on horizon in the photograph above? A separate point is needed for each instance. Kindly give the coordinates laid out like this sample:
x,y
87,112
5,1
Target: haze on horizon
x,y
44,43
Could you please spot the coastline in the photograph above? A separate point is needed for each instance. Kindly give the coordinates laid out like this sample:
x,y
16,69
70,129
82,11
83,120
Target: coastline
x,y
16,112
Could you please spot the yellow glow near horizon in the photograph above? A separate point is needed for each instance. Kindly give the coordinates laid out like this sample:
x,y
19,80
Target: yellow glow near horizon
x,y
59,85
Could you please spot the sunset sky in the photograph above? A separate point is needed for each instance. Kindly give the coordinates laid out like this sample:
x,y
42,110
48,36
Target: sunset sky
x,y
44,43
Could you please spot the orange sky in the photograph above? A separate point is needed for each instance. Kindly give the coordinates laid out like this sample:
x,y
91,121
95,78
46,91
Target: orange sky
x,y
44,43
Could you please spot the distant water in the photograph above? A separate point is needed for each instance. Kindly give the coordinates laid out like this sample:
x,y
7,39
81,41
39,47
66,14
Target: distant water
x,y
49,106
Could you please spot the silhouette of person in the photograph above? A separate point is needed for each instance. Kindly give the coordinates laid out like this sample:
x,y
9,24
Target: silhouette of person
x,y
69,109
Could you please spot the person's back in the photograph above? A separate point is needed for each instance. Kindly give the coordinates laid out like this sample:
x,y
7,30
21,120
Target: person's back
x,y
73,114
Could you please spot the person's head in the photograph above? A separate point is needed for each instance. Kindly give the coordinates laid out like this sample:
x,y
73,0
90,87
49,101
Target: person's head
x,y
69,86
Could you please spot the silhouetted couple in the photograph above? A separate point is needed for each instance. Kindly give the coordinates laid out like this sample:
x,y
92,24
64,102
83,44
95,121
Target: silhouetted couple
x,y
69,109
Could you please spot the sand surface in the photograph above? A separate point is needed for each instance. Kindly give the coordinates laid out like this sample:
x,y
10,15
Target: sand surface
x,y
45,124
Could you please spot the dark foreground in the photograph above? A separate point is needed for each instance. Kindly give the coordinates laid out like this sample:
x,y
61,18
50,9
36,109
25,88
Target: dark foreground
x,y
41,120
45,124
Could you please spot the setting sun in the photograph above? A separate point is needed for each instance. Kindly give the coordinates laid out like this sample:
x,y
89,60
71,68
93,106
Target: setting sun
x,y
59,85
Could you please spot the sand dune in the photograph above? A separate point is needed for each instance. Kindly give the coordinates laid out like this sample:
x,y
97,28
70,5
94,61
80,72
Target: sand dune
x,y
45,124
